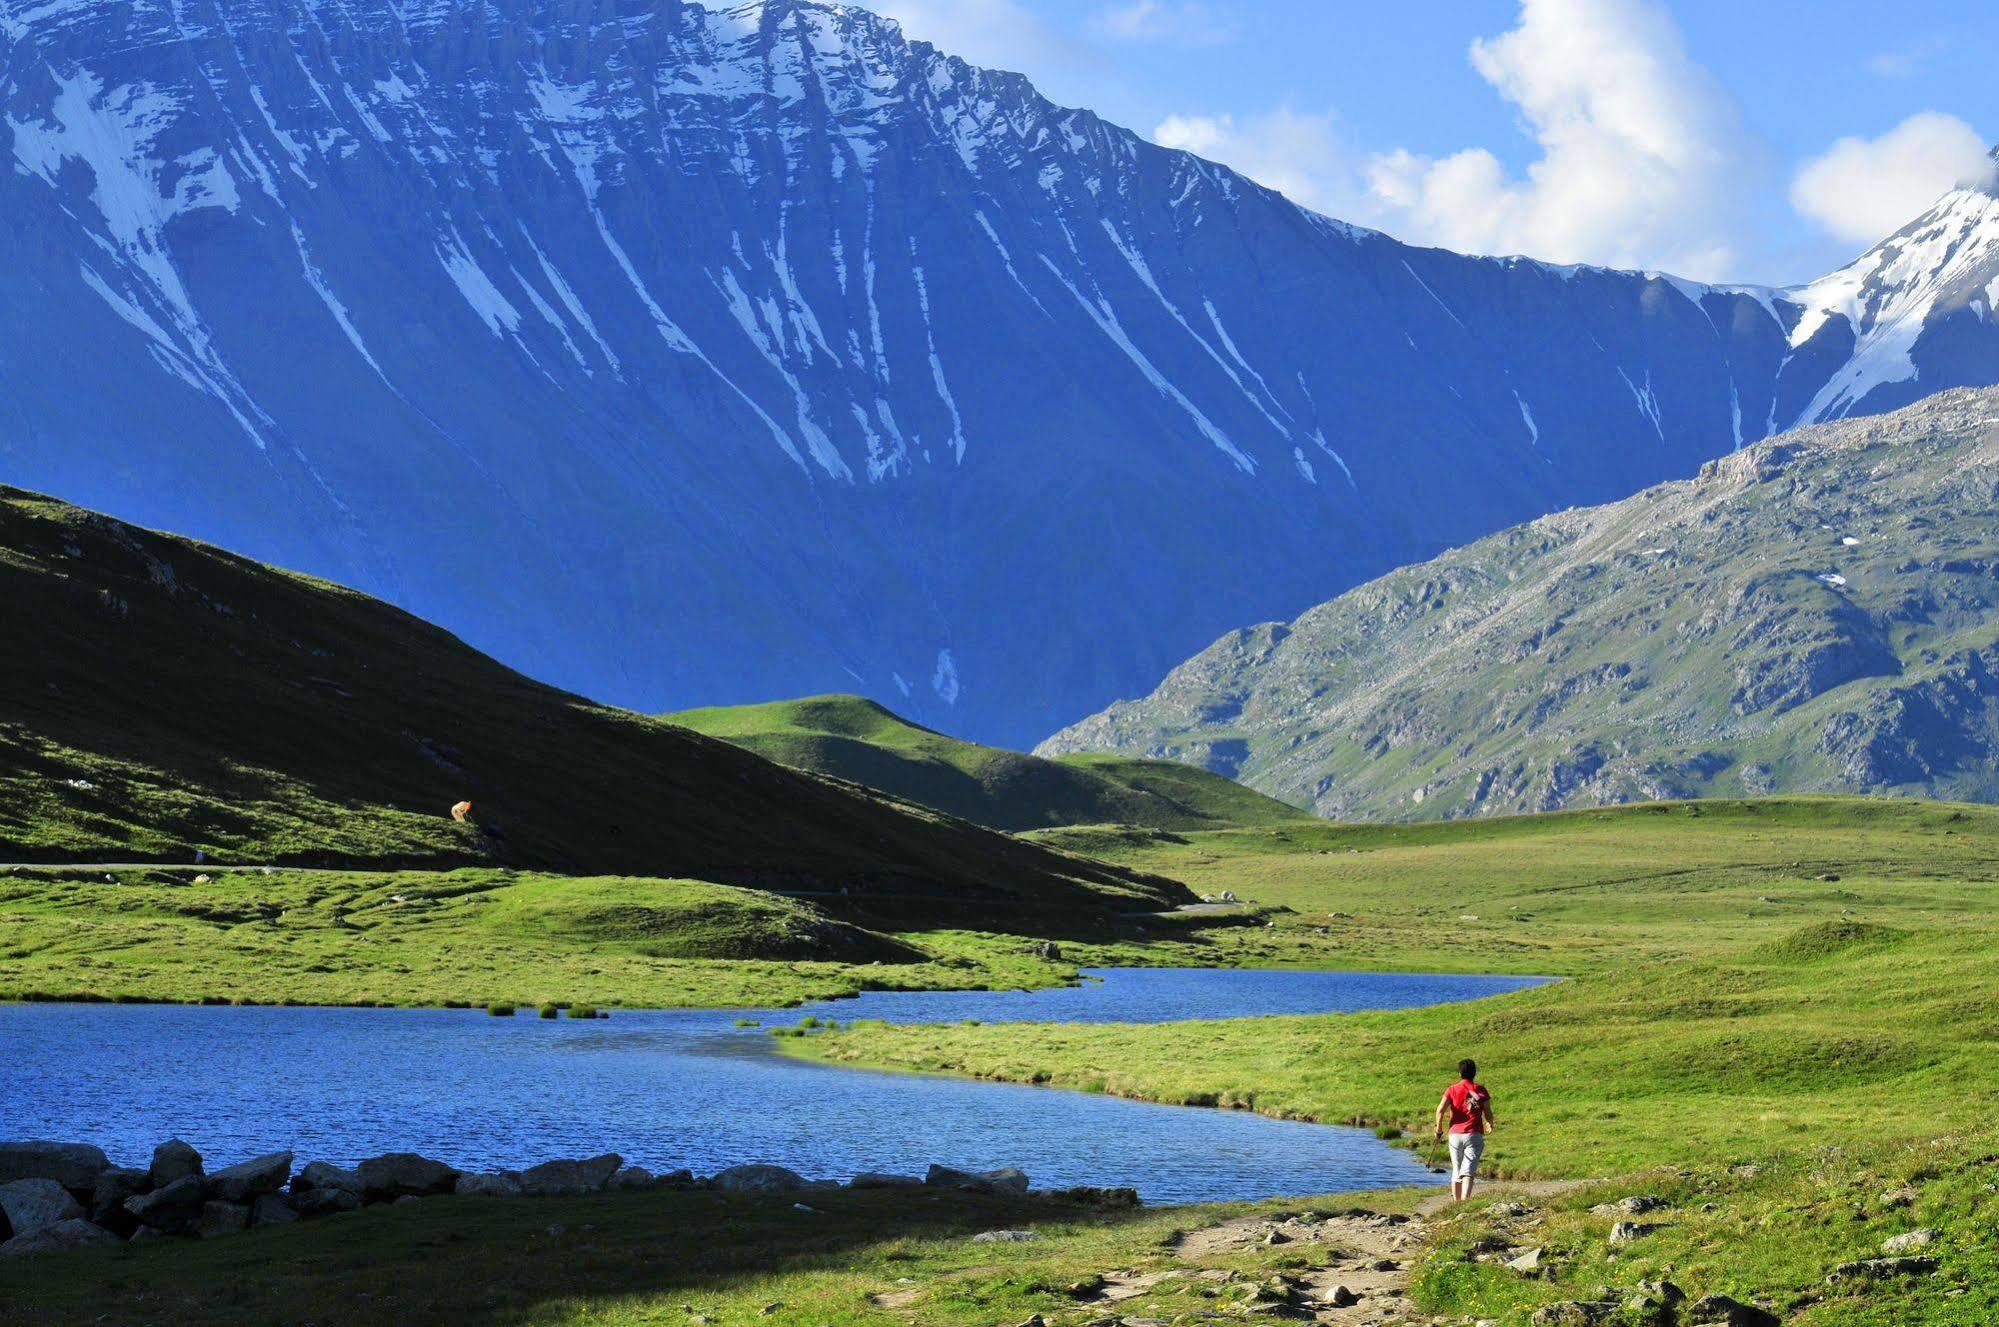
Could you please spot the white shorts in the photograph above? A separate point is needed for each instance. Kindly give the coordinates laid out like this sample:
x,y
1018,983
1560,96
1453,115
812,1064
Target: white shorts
x,y
1466,1149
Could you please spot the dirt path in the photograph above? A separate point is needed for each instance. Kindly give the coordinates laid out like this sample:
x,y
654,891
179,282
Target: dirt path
x,y
1364,1277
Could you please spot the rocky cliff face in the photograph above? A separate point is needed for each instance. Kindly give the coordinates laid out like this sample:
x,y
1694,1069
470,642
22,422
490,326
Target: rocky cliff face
x,y
690,355
1818,613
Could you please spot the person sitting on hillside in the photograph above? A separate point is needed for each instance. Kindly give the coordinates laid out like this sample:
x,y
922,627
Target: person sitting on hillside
x,y
1467,1111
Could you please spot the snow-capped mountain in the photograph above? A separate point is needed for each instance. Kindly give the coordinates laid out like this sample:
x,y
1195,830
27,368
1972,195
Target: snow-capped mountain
x,y
687,355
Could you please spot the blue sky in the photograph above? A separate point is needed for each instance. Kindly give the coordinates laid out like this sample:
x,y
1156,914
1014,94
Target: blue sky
x,y
1744,140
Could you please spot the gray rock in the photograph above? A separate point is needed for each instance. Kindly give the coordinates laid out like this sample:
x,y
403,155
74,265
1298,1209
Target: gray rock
x,y
325,1202
403,1175
554,1178
272,1209
73,1233
1636,1205
173,1209
33,1205
1895,1198
1624,1232
75,1166
675,1179
1574,1313
758,1179
869,1179
173,1160
1007,1180
326,1175
1527,1264
242,1182
218,1219
1090,1195
631,1178
1909,1242
1508,1211
1875,1269
1342,1298
502,1185
1733,1312
1005,1237
107,1200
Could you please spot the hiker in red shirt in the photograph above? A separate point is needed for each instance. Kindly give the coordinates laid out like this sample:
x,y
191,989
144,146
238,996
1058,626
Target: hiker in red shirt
x,y
1467,1110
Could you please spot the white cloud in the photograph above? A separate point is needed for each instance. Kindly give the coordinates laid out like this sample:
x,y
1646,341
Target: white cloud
x,y
1185,22
1892,64
994,34
1861,189
1643,163
1299,155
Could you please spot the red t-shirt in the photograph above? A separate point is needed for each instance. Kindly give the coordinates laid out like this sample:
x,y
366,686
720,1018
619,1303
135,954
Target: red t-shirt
x,y
1467,1101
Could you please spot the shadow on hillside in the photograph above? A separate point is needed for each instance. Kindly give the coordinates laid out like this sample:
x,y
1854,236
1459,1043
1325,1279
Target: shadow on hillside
x,y
494,1262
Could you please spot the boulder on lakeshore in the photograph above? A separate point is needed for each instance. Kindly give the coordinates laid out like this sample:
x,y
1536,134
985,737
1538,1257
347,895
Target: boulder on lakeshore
x,y
325,1202
75,1166
107,1200
272,1209
326,1175
173,1160
1006,1180
567,1178
1091,1195
173,1209
869,1179
218,1219
632,1178
33,1205
758,1179
403,1175
502,1185
74,1233
244,1181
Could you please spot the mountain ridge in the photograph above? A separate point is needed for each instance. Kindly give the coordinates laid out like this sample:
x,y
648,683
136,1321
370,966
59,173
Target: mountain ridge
x,y
695,356
1812,614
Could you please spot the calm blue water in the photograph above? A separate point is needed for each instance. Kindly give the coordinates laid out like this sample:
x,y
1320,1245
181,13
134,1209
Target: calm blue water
x,y
684,1088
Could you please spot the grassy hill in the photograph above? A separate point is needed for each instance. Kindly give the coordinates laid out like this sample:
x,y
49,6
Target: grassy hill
x,y
167,698
856,739
1819,613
